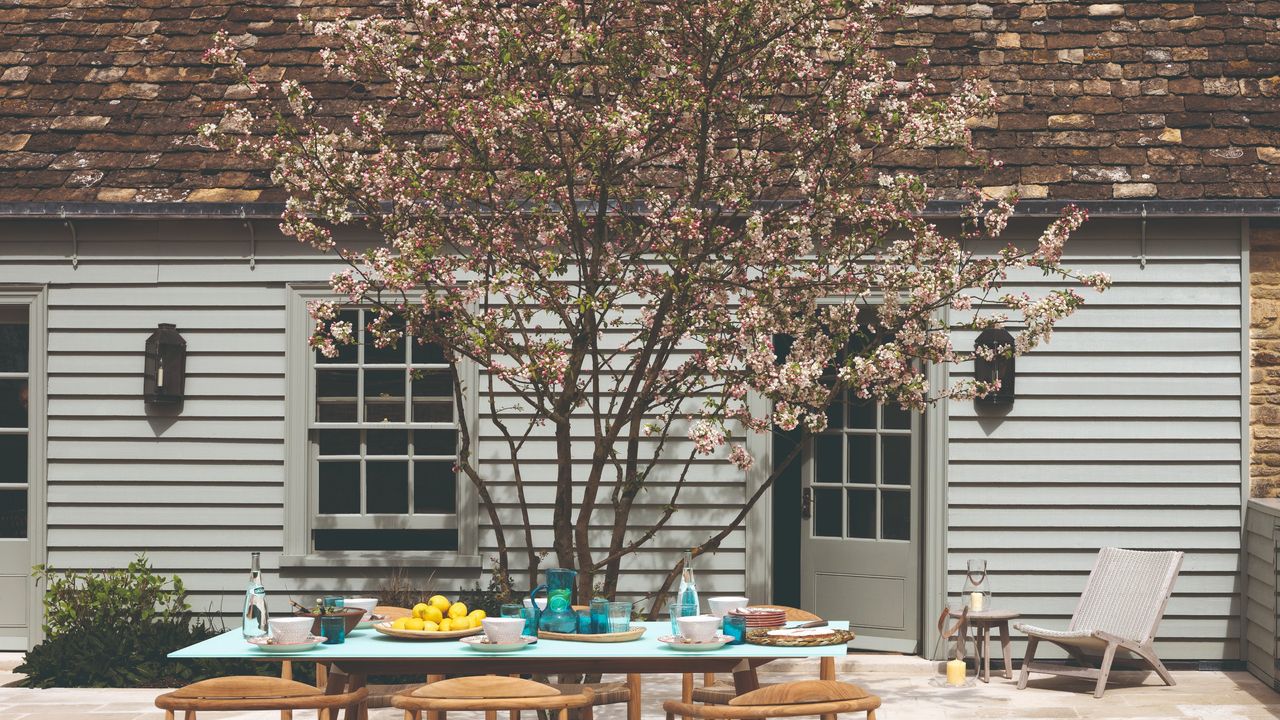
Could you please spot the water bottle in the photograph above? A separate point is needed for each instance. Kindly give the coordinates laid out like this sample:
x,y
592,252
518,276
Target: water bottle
x,y
254,621
687,596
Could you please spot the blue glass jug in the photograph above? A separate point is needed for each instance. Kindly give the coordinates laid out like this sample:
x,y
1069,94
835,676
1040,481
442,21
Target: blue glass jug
x,y
559,612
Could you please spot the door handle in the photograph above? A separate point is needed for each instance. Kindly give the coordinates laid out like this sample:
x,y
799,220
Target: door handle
x,y
806,502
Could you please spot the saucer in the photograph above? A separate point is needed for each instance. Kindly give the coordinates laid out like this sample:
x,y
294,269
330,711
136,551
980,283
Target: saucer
x,y
683,644
266,645
482,643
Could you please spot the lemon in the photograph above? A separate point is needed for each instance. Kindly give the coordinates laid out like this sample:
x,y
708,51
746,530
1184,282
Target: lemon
x,y
446,625
419,610
415,624
439,602
458,610
430,626
400,623
462,623
432,614
477,615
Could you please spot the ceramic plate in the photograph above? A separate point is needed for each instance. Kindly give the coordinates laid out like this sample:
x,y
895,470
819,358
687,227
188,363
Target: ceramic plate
x,y
373,620
264,644
678,642
482,644
386,629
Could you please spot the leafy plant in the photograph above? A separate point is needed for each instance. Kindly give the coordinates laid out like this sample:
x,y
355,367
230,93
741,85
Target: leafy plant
x,y
115,628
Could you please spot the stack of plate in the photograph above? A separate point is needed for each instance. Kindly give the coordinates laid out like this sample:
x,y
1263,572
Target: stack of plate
x,y
761,617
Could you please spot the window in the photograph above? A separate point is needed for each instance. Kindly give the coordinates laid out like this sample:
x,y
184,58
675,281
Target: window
x,y
863,467
378,439
14,422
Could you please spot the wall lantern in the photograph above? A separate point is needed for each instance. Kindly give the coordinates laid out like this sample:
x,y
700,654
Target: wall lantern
x,y
165,369
1000,367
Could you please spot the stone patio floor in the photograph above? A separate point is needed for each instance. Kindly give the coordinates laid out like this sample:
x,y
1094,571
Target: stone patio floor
x,y
903,682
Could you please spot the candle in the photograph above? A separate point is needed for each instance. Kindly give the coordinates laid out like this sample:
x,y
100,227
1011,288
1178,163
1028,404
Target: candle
x,y
160,377
955,672
977,601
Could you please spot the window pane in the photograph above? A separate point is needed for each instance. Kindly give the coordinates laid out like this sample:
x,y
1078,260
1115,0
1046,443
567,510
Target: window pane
x,y
835,415
339,442
896,514
387,442
13,513
828,460
826,512
384,396
862,414
862,513
435,442
897,459
425,353
434,487
14,339
339,488
862,459
895,418
433,384
386,487
432,411
385,539
374,355
347,354
336,395
13,403
13,459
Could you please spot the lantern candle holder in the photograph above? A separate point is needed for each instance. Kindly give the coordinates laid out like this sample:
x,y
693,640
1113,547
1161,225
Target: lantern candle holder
x,y
976,594
164,367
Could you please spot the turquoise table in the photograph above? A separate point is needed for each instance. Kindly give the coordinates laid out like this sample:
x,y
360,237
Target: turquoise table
x,y
367,652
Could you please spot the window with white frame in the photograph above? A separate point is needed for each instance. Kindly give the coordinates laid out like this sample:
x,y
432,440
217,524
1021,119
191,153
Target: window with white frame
x,y
382,435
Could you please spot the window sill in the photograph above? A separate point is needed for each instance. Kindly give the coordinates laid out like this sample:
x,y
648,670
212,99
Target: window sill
x,y
353,560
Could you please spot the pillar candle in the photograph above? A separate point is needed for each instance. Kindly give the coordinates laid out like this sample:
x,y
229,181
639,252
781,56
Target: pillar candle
x,y
955,672
977,601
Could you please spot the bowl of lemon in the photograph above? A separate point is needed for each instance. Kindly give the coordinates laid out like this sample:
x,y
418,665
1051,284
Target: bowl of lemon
x,y
435,619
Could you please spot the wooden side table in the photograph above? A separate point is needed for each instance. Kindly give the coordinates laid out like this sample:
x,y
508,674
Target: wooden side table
x,y
983,622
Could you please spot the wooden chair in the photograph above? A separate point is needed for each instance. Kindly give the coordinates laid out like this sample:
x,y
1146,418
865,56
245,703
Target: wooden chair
x,y
1120,609
826,698
380,695
254,692
609,693
490,694
719,692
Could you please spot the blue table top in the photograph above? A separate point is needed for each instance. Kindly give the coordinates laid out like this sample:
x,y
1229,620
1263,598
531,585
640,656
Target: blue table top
x,y
370,645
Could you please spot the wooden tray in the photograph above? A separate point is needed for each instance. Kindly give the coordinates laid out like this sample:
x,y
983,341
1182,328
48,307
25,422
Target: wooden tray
x,y
628,636
386,629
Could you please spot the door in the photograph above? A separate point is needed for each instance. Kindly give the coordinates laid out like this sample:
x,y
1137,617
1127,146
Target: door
x,y
15,496
860,534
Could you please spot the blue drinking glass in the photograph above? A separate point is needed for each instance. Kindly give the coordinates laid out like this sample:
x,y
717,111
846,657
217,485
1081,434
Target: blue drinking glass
x,y
600,615
585,625
334,629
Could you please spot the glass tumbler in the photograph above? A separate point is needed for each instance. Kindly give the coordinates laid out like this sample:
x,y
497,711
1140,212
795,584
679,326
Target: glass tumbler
x,y
735,626
677,611
599,615
334,629
619,616
511,610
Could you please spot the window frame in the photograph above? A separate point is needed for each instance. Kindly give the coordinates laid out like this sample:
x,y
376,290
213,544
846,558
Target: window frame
x,y
301,498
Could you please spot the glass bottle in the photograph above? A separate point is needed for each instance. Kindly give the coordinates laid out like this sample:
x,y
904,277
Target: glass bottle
x,y
687,595
977,590
254,621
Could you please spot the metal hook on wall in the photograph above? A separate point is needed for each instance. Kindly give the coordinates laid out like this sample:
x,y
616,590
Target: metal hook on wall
x,y
253,240
1142,241
75,239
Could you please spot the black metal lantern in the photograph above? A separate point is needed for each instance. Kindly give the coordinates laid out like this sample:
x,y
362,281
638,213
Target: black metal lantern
x,y
999,367
165,369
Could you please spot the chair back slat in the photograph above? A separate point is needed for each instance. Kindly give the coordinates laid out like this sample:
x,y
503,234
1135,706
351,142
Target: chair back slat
x,y
1127,592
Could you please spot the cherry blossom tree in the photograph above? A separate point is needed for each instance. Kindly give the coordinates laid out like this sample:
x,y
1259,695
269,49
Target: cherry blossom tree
x,y
615,208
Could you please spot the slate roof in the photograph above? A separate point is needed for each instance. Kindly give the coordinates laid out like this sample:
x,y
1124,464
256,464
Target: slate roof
x,y
1131,100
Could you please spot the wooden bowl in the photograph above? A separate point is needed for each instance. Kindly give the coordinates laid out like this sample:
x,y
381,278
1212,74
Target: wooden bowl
x,y
350,616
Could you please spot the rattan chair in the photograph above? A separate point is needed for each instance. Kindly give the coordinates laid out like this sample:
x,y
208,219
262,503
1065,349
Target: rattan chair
x,y
1122,604
825,698
490,694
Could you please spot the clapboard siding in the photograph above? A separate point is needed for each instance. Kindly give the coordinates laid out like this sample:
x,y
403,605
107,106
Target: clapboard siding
x,y
1125,431
1261,522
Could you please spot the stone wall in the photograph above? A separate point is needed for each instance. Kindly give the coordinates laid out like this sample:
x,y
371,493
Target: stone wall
x,y
1264,363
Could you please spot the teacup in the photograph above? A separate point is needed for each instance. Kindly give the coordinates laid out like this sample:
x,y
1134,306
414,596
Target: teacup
x,y
286,630
720,606
699,628
364,603
503,631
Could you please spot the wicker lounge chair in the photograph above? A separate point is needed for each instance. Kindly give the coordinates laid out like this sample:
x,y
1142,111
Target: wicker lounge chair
x,y
1119,610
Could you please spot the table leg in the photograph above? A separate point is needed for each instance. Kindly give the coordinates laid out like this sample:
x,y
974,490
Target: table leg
x,y
827,671
322,675
634,707
686,691
986,653
744,678
286,673
355,681
431,715
1006,647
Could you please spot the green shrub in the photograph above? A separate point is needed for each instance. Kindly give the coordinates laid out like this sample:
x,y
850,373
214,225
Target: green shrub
x,y
115,628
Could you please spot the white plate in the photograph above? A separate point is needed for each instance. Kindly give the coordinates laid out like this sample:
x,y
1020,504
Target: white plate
x,y
801,632
676,642
370,622
481,643
264,644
